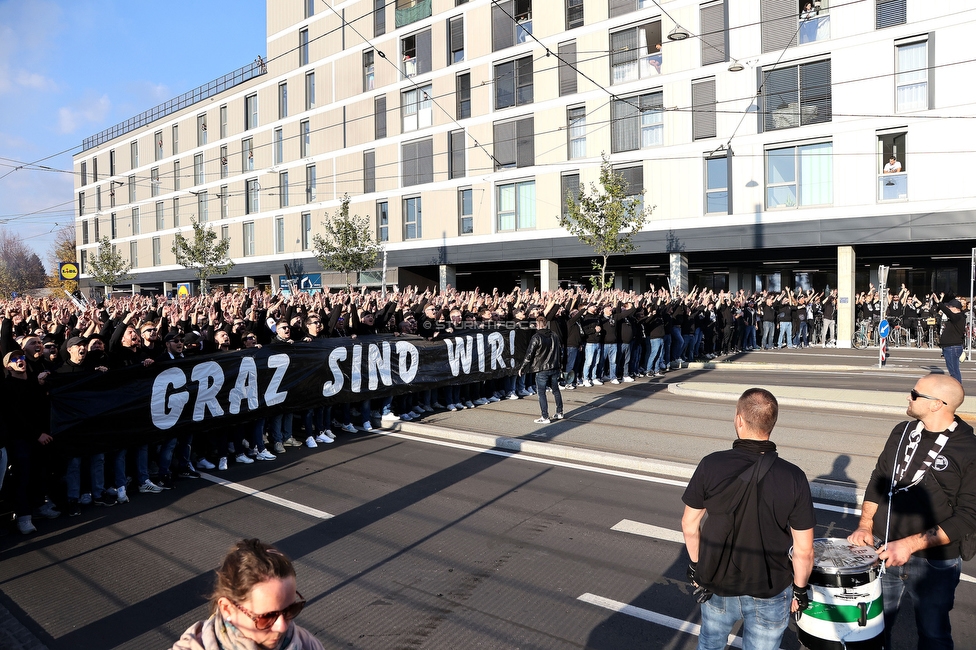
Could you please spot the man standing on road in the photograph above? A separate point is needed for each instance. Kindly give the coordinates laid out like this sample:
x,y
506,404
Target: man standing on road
x,y
952,337
919,504
759,505
543,357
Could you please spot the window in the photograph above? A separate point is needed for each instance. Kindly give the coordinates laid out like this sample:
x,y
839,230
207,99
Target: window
x,y
379,117
309,91
382,221
154,181
415,50
912,81
84,262
890,13
310,184
303,47
797,96
160,217
283,190
248,238
799,176
714,24
463,83
576,130
251,112
114,226
247,155
567,68
717,185
158,140
637,122
309,8
633,183
455,31
282,100
202,129
224,233
516,205
369,171
81,204
415,107
136,222
455,154
84,173
176,139
134,153
574,14
252,206
198,178
412,218
111,193
514,143
132,189
203,214
176,175
306,230
379,17
133,254
176,212
779,24
892,172
465,211
95,227
279,236
513,83
223,121
94,170
224,198
369,70
417,162
224,166
98,199
622,7
814,22
635,53
157,257
111,162
511,23
305,139
279,146
703,109
569,189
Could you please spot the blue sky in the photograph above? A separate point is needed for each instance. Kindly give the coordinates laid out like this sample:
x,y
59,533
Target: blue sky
x,y
70,69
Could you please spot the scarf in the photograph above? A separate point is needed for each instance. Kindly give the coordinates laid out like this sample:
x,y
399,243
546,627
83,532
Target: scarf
x,y
755,446
918,455
228,637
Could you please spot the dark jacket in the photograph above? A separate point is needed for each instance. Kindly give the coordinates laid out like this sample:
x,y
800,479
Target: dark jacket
x,y
545,352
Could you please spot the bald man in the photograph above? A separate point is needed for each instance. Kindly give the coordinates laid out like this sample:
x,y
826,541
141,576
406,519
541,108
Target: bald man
x,y
929,466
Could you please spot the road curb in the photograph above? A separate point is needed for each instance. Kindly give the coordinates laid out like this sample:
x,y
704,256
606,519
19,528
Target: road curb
x,y
679,389
751,365
820,489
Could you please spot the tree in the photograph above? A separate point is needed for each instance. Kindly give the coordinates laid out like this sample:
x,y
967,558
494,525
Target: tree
x,y
22,268
107,266
62,250
605,219
205,254
348,243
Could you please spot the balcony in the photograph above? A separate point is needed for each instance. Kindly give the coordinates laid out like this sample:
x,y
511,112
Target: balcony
x,y
410,11
893,187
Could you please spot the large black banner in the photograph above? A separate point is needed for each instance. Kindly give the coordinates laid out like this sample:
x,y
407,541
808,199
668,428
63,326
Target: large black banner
x,y
131,406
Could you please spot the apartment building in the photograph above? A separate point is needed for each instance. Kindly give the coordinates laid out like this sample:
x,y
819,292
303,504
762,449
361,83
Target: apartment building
x,y
758,130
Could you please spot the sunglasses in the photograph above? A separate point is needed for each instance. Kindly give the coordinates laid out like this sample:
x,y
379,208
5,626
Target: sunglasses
x,y
250,338
915,395
265,621
50,347
17,359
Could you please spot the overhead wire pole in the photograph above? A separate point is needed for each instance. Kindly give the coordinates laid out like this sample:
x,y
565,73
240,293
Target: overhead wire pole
x,y
972,286
883,293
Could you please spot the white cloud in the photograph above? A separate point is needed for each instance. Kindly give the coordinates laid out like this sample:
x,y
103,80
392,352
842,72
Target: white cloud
x,y
35,81
88,110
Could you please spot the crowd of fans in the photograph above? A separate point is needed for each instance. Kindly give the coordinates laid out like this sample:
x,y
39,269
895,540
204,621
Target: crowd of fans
x,y
608,336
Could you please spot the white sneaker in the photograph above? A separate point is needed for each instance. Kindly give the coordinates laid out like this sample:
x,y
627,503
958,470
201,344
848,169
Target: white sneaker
x,y
324,439
265,455
121,496
205,464
628,379
614,381
150,488
367,426
512,396
469,404
525,393
493,399
25,526
244,459
310,442
587,383
327,433
407,417
541,420
597,382
86,499
390,417
452,407
481,401
569,387
349,428
222,463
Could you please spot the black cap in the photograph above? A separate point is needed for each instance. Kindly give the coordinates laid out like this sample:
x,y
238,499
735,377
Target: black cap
x,y
172,336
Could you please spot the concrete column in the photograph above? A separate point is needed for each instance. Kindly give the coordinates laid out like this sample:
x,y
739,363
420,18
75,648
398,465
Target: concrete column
x,y
638,281
527,283
845,295
679,272
249,283
621,281
735,279
136,289
548,275
447,275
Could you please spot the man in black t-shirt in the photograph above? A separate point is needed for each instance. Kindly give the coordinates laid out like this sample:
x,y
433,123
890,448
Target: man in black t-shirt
x,y
758,576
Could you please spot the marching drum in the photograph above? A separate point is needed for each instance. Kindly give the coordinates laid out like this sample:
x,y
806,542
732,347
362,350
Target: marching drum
x,y
846,611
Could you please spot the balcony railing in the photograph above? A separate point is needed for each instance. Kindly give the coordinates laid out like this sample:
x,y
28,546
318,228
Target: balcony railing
x,y
893,187
418,10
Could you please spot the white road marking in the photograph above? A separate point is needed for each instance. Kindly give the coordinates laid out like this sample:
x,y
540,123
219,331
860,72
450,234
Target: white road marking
x,y
258,494
652,617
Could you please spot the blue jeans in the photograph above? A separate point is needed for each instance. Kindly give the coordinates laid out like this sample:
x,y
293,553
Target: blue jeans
x,y
785,333
655,358
951,354
570,375
932,587
802,334
591,361
548,378
610,354
72,476
280,427
749,339
677,343
763,620
768,334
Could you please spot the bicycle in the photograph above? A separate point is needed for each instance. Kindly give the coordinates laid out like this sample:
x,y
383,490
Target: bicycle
x,y
862,337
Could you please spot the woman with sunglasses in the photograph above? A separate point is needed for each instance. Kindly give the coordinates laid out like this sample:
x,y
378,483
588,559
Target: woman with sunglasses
x,y
253,604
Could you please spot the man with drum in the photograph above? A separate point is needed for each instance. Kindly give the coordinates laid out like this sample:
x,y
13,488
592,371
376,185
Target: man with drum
x,y
759,506
919,504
